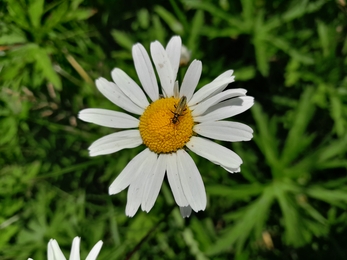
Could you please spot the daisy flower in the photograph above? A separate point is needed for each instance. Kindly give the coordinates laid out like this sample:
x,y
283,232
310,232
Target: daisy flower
x,y
168,124
54,252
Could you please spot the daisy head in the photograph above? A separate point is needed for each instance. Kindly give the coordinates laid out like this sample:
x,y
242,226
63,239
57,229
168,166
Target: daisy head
x,y
54,252
170,119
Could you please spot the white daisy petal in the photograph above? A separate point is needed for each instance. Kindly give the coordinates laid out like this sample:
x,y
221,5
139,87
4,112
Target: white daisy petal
x,y
174,180
50,253
232,170
115,142
215,153
191,79
200,108
134,196
113,93
130,172
209,89
108,118
93,254
145,71
137,187
224,75
186,211
173,50
129,87
224,131
54,251
153,183
240,104
176,91
75,249
193,186
164,68
226,109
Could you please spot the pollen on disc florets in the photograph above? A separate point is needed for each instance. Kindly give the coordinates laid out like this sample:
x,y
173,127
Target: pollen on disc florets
x,y
159,132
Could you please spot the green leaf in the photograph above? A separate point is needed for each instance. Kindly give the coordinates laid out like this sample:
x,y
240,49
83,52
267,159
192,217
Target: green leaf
x,y
202,235
122,39
315,228
12,70
35,11
8,130
57,15
159,30
18,14
143,18
32,170
297,10
261,56
75,4
143,226
7,234
315,214
260,45
294,142
216,12
265,136
286,47
213,32
245,73
170,19
332,164
253,219
44,63
14,37
292,75
193,245
337,115
324,37
335,149
336,197
237,192
180,13
248,14
315,6
196,27
292,222
79,15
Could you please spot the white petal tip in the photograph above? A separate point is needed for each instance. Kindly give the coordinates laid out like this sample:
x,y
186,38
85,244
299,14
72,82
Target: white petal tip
x,y
233,170
186,211
131,210
92,154
130,214
112,191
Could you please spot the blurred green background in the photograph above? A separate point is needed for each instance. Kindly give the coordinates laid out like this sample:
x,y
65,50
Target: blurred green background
x,y
288,202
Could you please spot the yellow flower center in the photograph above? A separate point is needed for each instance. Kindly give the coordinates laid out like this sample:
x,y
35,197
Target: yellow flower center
x,y
165,129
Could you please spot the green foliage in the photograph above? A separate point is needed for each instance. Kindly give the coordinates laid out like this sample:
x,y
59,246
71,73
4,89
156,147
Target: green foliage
x,y
291,195
291,163
37,34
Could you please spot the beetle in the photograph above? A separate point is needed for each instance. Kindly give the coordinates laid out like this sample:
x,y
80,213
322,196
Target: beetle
x,y
181,106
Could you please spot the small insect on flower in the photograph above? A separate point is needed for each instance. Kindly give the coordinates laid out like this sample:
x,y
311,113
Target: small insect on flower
x,y
181,106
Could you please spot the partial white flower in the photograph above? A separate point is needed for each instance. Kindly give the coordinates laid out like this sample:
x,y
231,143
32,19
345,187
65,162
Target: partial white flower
x,y
54,252
169,123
